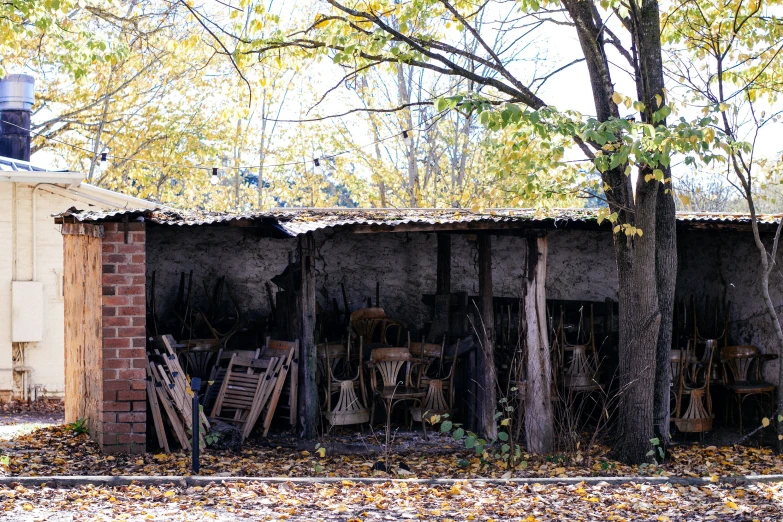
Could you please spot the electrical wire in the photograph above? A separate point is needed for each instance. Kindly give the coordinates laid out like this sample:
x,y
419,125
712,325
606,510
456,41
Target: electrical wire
x,y
405,133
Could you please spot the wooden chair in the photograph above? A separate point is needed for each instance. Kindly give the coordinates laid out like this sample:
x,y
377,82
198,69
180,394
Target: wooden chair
x,y
375,327
436,376
695,376
242,394
394,365
287,380
581,370
218,373
350,406
742,367
198,356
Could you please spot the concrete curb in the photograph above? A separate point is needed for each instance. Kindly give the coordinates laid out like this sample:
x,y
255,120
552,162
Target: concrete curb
x,y
189,481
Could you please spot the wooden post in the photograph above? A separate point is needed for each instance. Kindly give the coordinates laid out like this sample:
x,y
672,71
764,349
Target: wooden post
x,y
539,417
308,396
485,371
441,317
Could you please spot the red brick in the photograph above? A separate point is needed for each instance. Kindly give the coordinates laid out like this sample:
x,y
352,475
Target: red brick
x,y
109,396
138,385
117,258
109,417
136,373
113,237
139,342
116,427
132,417
110,227
116,406
116,385
132,310
140,406
132,353
116,300
108,290
139,300
134,226
131,248
139,427
139,258
109,375
109,333
119,342
114,279
117,321
111,353
130,290
138,321
130,269
138,280
138,438
137,395
108,248
139,363
131,331
108,311
117,364
109,269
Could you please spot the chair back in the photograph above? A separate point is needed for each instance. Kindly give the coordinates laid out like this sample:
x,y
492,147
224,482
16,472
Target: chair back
x,y
738,363
388,362
365,322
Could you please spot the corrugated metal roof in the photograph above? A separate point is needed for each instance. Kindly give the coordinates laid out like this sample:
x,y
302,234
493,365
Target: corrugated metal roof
x,y
294,222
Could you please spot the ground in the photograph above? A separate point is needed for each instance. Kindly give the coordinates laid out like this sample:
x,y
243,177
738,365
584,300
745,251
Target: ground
x,y
349,501
35,443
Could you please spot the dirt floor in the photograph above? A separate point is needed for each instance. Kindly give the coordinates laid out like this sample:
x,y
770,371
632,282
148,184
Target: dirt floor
x,y
351,502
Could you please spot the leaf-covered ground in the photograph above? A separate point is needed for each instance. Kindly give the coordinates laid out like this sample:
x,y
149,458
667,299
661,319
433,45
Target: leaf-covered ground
x,y
55,450
347,501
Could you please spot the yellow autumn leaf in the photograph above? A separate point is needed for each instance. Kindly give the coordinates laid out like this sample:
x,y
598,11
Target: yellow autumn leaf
x,y
321,452
617,98
27,507
765,422
723,107
731,504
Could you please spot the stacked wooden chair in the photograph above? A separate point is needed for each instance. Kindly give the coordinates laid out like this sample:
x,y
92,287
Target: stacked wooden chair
x,y
694,380
742,376
436,377
252,387
344,380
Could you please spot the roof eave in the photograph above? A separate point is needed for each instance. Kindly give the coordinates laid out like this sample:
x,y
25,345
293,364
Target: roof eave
x,y
70,179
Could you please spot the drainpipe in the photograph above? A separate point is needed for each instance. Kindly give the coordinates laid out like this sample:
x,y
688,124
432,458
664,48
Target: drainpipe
x,y
17,94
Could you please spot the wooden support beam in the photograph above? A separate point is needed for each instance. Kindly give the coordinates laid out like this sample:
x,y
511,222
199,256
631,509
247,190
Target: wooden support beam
x,y
485,361
308,404
442,306
539,416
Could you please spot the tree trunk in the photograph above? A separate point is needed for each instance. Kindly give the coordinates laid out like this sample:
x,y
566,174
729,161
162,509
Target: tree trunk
x,y
485,368
539,419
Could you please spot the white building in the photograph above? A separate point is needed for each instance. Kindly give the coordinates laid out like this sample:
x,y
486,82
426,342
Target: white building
x,y
31,264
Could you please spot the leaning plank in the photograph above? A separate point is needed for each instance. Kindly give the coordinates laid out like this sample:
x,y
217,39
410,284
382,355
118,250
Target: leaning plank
x,y
171,412
266,386
172,361
157,420
281,378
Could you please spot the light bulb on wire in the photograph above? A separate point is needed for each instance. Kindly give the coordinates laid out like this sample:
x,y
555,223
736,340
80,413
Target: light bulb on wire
x,y
104,161
214,179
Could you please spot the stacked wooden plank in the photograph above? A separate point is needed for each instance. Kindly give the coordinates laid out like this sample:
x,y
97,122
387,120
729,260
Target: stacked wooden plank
x,y
170,396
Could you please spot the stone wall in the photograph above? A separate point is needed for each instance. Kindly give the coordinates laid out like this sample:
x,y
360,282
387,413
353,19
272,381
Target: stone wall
x,y
581,266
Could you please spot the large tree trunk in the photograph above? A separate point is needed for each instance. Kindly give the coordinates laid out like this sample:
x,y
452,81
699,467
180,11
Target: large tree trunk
x,y
539,418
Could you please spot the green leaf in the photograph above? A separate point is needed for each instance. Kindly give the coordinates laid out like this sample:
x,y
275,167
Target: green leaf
x,y
470,441
503,436
655,441
505,448
458,434
445,426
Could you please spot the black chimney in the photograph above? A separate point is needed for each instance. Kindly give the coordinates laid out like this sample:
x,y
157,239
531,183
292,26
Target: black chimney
x,y
16,102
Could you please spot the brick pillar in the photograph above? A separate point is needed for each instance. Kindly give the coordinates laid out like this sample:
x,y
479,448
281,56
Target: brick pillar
x,y
124,413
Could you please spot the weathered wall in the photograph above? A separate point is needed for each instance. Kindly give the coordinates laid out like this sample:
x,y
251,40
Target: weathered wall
x,y
581,266
45,359
727,264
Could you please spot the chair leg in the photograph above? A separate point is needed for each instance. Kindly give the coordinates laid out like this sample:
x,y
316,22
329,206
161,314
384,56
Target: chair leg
x,y
388,422
739,408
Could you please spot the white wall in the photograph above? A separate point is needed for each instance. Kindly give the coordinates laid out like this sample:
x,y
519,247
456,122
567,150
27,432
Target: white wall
x,y
45,358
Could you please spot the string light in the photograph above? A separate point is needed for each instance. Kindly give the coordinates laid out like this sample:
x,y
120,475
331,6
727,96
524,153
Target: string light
x,y
214,178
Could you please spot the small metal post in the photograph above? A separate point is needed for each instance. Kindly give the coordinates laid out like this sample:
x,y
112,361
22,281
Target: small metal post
x,y
195,386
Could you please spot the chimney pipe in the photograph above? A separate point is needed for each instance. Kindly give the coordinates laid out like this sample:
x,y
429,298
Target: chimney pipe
x,y
17,93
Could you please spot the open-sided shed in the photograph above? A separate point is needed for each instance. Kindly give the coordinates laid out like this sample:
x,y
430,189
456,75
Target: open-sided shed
x,y
404,260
